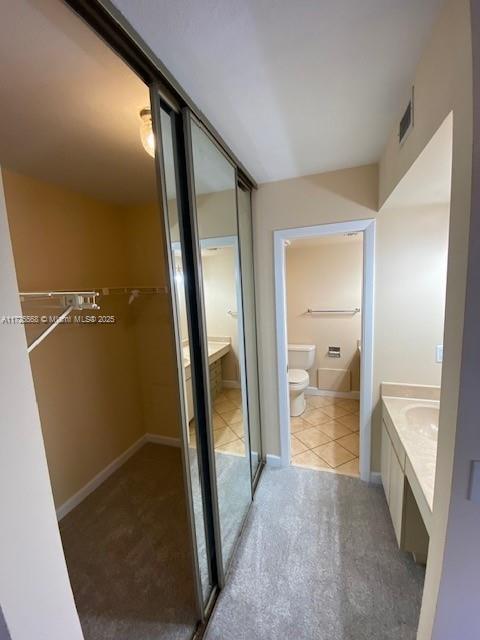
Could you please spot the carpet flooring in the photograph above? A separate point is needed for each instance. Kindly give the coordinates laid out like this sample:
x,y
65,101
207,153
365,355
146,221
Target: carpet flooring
x,y
128,552
318,561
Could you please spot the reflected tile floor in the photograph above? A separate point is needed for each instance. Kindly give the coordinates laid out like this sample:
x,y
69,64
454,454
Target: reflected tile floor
x,y
228,428
233,476
326,436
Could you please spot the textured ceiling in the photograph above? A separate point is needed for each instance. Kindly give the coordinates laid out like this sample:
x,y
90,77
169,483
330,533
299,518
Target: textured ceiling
x,y
294,87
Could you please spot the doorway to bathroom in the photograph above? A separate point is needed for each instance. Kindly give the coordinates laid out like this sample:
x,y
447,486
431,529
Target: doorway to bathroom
x,y
324,317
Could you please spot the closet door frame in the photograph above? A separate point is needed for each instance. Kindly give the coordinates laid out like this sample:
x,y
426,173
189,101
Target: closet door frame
x,y
188,119
255,475
157,105
182,120
205,429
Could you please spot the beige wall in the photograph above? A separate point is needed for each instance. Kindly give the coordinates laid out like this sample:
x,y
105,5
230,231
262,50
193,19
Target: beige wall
x,y
327,276
99,388
443,82
411,253
457,612
410,282
331,197
35,591
151,321
220,297
444,78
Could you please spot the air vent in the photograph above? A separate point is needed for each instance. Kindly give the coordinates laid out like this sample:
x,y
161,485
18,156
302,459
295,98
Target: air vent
x,y
406,123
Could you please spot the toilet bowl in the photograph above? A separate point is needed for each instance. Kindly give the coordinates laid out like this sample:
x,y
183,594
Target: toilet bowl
x,y
298,380
300,358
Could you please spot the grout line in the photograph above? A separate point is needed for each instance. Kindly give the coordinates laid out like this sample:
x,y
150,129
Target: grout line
x,y
326,465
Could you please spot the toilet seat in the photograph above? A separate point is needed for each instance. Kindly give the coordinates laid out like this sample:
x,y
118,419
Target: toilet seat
x,y
297,378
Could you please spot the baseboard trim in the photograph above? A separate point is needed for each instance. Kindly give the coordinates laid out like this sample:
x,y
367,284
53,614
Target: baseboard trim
x,y
375,477
99,479
314,391
165,440
274,461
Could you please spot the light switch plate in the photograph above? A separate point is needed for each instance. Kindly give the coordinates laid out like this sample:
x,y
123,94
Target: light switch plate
x,y
474,491
439,353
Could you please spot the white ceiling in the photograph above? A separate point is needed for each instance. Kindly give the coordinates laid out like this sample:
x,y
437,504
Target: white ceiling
x,y
429,179
294,86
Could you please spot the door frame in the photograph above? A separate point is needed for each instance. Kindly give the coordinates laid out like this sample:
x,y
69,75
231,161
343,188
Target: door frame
x,y
367,227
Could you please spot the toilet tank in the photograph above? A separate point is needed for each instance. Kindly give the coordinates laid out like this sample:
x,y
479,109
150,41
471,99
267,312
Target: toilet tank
x,y
301,356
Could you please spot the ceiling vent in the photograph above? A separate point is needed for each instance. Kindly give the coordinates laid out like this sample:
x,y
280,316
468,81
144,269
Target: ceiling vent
x,y
406,122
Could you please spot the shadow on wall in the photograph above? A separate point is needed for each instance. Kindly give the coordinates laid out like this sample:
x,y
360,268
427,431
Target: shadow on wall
x,y
354,189
4,633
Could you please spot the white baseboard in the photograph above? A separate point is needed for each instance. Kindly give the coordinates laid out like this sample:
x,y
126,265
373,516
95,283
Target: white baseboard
x,y
314,391
231,384
274,461
375,477
99,479
165,440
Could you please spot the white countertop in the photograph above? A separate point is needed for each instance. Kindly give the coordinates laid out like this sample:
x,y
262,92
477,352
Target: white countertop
x,y
418,436
216,350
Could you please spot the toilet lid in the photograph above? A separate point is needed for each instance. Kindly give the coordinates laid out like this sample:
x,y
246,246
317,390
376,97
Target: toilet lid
x,y
297,376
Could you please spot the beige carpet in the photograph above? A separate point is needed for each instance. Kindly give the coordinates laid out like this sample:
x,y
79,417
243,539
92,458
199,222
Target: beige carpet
x,y
128,552
318,560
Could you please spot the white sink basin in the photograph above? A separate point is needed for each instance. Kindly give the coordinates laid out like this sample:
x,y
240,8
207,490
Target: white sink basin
x,y
424,419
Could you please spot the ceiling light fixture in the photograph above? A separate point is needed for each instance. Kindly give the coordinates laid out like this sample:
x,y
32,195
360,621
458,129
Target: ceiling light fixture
x,y
146,131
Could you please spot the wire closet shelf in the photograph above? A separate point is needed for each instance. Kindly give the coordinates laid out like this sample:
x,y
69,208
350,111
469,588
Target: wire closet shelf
x,y
79,301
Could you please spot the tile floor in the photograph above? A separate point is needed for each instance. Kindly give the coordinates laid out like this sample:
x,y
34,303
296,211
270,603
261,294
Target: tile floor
x,y
228,432
325,436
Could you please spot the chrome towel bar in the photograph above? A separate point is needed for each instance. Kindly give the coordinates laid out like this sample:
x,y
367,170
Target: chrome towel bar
x,y
352,311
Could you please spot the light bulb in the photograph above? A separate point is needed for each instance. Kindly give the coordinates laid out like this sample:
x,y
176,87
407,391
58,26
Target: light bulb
x,y
146,131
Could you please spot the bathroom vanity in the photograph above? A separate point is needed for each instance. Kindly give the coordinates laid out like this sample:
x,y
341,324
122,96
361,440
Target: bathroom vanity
x,y
408,460
217,349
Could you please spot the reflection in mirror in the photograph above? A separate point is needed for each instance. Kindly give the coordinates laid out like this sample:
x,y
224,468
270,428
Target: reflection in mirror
x,y
215,190
182,324
250,327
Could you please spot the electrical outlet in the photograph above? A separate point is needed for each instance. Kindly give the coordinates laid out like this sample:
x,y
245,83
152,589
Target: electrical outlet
x,y
439,353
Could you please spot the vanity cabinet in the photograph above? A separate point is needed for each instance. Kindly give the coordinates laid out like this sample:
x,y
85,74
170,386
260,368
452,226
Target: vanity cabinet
x,y
386,454
393,480
407,457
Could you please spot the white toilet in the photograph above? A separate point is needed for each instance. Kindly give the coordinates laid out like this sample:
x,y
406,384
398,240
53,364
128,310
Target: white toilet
x,y
300,359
